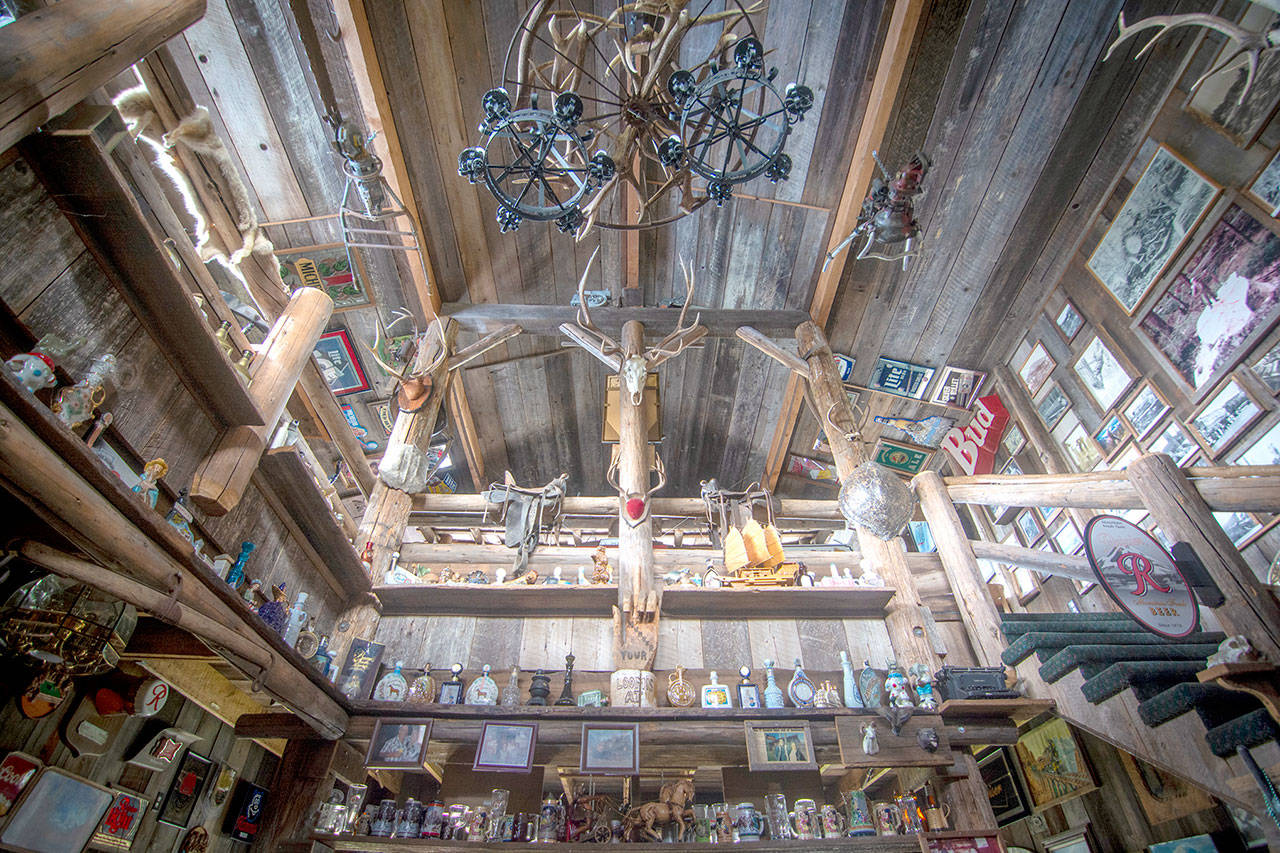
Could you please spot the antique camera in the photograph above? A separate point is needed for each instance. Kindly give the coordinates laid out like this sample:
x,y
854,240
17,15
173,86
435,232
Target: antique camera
x,y
973,682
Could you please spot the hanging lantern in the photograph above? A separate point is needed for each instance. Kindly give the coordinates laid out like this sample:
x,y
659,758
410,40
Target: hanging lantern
x,y
72,626
876,499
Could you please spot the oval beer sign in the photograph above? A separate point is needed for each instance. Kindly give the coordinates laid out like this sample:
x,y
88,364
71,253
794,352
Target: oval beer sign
x,y
1141,576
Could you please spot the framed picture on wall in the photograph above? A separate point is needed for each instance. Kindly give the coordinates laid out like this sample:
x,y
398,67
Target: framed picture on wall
x,y
1174,441
1240,527
1069,321
1074,840
1029,529
506,747
399,744
1145,410
1036,368
779,745
184,789
900,378
610,749
1190,844
1004,785
1053,764
1265,450
341,369
59,813
958,387
1266,367
1053,406
327,267
1163,207
1111,436
1081,449
1266,187
1221,302
1013,439
1218,100
1224,417
900,457
1102,374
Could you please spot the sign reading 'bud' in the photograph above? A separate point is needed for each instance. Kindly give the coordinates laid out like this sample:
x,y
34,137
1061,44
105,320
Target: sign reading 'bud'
x,y
974,447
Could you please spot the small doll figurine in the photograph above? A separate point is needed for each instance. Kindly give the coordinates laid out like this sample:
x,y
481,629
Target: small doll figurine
x,y
600,574
34,370
922,681
147,483
76,404
896,685
870,743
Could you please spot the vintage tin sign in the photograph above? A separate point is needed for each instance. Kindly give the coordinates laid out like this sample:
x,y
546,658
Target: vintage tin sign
x,y
16,771
1141,576
120,824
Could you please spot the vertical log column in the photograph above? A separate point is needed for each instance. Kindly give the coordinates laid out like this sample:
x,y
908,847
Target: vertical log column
x,y
635,544
401,475
301,779
220,481
977,610
1177,507
903,617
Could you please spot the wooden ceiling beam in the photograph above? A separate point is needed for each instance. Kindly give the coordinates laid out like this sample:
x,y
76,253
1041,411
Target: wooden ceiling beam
x,y
547,319
898,40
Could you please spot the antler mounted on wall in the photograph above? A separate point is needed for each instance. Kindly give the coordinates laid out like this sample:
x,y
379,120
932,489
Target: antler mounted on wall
x,y
1249,43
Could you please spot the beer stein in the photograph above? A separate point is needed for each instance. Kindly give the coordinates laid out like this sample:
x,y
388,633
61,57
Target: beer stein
x,y
409,821
551,820
805,820
938,818
433,820
858,820
832,822
909,810
723,824
384,819
887,817
747,822
779,823
702,817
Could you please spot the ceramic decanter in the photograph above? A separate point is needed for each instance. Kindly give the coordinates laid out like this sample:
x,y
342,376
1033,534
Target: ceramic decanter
x,y
483,690
276,611
773,696
307,643
297,620
679,690
393,686
870,685
801,688
852,699
423,689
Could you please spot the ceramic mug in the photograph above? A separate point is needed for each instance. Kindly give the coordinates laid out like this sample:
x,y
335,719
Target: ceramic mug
x,y
804,820
702,818
832,822
723,823
909,812
747,822
938,818
859,820
888,818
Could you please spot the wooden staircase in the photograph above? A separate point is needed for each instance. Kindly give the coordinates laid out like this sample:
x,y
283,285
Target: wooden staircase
x,y
1139,693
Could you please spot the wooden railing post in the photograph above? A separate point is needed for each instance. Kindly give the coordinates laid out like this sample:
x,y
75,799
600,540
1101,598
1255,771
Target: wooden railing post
x,y
1250,609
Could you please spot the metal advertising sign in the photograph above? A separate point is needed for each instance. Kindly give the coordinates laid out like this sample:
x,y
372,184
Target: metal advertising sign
x,y
1141,576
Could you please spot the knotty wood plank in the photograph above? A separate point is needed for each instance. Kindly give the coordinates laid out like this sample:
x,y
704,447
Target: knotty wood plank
x,y
496,641
544,645
773,639
725,644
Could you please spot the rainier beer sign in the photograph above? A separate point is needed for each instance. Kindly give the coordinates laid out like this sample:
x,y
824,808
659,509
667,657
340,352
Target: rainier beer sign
x,y
974,447
1141,576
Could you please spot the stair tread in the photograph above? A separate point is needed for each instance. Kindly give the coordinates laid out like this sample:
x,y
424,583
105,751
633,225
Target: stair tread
x,y
1037,642
1072,656
1122,675
1248,730
1217,702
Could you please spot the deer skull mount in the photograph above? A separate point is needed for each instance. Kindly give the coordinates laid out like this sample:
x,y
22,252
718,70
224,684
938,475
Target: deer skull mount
x,y
417,358
634,370
1249,44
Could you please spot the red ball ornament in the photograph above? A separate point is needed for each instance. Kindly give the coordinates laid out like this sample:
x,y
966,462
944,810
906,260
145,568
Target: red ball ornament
x,y
635,508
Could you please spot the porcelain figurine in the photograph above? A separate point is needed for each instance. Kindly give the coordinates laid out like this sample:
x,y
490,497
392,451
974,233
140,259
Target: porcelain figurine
x,y
393,686
600,572
851,697
679,690
870,743
297,620
801,688
483,690
566,692
511,693
922,681
250,591
423,689
897,687
582,576
826,696
76,404
32,370
773,696
148,484
275,612
237,571
870,685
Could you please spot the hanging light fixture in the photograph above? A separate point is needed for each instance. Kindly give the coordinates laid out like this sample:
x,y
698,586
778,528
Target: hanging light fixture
x,y
71,626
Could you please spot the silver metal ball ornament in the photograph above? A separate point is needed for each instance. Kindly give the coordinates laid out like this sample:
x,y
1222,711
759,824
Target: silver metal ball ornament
x,y
876,499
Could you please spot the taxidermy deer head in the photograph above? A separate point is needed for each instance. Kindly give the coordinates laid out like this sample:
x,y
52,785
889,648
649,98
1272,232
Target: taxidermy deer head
x,y
415,359
1248,43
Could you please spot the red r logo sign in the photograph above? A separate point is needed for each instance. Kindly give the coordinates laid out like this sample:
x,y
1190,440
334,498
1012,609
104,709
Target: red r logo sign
x,y
1140,567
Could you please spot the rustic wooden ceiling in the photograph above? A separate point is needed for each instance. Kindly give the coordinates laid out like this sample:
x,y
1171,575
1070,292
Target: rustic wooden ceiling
x,y
1025,126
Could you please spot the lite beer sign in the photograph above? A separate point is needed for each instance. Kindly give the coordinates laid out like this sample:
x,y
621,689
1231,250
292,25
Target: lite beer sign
x,y
974,447
1141,577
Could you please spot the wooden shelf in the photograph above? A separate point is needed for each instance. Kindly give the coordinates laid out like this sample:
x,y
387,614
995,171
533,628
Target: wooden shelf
x,y
363,843
1018,710
292,483
565,600
374,708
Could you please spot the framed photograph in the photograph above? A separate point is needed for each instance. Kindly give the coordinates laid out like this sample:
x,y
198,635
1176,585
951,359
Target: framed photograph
x,y
244,815
1053,406
1066,537
1264,451
451,693
328,268
749,696
903,458
1163,207
1011,466
120,825
399,744
1266,187
1081,449
1111,436
1053,765
1013,439
1128,454
1036,369
184,789
1163,796
1028,527
1240,527
1222,301
506,747
1224,417
1190,844
1253,831
1072,841
1004,785
1266,367
811,469
1102,374
779,746
355,678
337,360
900,378
610,749
1218,103
958,387
1025,583
1175,442
59,813
1069,321
1145,410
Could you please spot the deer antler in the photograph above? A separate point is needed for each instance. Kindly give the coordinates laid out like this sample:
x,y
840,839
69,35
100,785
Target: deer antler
x,y
682,337
585,333
401,373
1249,42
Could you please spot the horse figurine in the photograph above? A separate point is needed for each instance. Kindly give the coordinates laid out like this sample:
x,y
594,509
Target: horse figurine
x,y
673,801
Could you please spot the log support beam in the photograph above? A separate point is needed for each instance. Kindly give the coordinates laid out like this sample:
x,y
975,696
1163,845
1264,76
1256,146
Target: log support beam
x,y
302,777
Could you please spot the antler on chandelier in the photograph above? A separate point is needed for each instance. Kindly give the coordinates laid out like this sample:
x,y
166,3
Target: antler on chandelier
x,y
1249,43
682,337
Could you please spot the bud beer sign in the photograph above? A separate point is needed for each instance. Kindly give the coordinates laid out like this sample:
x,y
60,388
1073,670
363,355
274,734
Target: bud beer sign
x,y
974,447
1141,576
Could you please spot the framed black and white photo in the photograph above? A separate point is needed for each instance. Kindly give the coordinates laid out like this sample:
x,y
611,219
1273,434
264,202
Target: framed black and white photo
x,y
1266,187
1053,405
1028,527
1162,209
1265,450
1174,441
506,747
1221,302
1081,449
1224,417
1069,321
610,749
1218,100
1036,368
399,744
1145,410
1267,368
1102,374
1239,526
1013,439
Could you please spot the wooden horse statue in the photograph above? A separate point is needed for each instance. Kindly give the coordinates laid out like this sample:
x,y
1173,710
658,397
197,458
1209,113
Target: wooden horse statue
x,y
673,801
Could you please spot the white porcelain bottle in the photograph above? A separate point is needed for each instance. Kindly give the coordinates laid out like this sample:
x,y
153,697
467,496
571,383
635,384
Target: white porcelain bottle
x,y
297,620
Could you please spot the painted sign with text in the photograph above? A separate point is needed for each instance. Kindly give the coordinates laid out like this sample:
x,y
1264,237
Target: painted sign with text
x,y
974,447
1141,576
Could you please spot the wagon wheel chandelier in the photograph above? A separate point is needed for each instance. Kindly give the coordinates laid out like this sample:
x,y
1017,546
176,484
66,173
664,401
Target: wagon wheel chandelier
x,y
644,101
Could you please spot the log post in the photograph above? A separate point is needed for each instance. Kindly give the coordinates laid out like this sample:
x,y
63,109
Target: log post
x,y
387,514
903,616
220,481
302,778
977,610
1183,515
968,798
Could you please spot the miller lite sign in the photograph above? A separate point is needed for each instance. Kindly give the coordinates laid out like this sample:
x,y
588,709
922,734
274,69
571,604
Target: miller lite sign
x,y
1141,577
974,447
